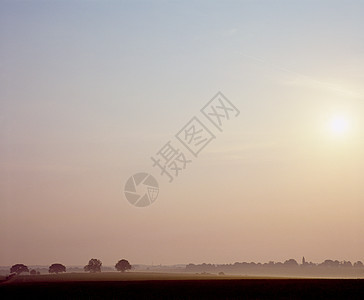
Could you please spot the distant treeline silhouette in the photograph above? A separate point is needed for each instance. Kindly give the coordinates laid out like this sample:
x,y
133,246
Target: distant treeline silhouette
x,y
290,264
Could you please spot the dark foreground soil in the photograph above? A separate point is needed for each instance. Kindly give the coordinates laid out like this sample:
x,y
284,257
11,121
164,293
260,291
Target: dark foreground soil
x,y
188,289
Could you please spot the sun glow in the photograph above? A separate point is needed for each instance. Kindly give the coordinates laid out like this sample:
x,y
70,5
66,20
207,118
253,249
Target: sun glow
x,y
339,125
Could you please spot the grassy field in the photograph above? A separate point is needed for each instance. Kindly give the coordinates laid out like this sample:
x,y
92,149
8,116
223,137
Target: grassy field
x,y
138,285
127,276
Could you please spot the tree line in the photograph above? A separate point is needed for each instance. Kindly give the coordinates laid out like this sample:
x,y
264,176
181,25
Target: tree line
x,y
93,266
288,263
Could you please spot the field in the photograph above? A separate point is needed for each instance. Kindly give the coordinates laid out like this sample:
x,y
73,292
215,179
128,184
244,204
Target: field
x,y
138,285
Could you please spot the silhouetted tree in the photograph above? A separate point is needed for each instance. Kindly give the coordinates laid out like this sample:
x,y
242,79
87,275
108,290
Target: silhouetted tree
x,y
330,263
19,268
57,268
122,265
291,262
94,265
33,272
358,264
346,264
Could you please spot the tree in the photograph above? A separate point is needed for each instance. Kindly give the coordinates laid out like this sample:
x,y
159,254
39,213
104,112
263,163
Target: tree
x,y
122,265
19,268
57,268
358,264
94,265
346,264
33,272
330,263
291,262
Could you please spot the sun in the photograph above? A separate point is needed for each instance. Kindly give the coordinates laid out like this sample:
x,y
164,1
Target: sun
x,y
339,125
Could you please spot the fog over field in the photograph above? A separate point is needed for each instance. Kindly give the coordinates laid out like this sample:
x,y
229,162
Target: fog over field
x,y
237,125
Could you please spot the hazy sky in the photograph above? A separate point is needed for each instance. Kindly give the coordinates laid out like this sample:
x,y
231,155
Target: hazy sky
x,y
90,90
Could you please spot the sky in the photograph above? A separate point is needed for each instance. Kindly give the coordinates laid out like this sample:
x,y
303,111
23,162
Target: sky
x,y
91,90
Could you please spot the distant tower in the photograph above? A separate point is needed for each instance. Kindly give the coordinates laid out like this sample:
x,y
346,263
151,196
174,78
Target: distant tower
x,y
303,261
